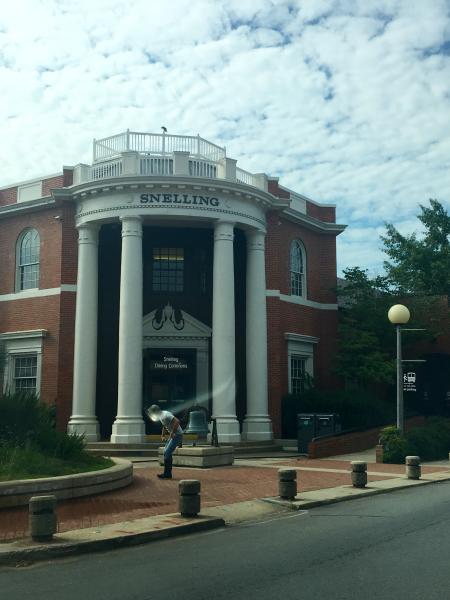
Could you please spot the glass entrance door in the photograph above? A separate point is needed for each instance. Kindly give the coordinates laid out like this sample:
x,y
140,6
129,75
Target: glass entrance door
x,y
169,381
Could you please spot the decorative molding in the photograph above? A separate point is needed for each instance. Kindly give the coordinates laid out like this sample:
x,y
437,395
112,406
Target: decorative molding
x,y
300,301
21,335
165,323
146,207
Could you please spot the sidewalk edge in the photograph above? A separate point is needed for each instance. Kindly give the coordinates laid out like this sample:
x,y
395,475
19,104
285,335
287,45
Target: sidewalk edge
x,y
50,551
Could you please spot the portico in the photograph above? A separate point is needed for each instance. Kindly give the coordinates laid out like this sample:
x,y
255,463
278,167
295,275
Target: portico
x,y
132,214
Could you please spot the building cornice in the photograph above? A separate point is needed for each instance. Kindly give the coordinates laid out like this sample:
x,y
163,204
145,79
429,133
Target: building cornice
x,y
26,207
181,182
312,223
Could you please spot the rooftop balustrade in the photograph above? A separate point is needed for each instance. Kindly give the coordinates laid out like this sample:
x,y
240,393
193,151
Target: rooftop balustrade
x,y
132,153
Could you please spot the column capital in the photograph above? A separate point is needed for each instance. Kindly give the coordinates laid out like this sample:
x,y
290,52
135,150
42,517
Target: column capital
x,y
224,230
88,233
255,239
131,225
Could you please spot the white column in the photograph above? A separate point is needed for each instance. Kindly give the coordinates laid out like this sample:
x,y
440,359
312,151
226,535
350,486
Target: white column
x,y
128,427
223,335
83,419
257,423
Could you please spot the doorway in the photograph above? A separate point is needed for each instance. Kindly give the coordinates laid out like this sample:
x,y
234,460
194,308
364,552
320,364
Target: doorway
x,y
169,381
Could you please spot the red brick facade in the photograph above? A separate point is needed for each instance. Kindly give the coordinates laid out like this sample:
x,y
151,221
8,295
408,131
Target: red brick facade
x,y
316,316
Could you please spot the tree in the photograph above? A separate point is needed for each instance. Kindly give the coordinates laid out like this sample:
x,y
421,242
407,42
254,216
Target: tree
x,y
364,332
420,265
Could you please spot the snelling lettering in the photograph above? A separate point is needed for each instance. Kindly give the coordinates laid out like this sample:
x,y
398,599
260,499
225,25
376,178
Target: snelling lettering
x,y
179,199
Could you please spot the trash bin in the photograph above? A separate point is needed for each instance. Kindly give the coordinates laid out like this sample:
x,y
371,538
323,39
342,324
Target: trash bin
x,y
327,423
311,425
306,431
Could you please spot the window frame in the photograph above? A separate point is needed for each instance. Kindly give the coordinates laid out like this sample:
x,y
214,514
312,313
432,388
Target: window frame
x,y
15,378
300,346
19,265
299,275
170,280
19,344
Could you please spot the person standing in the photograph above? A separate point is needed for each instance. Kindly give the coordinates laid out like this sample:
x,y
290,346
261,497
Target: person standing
x,y
172,425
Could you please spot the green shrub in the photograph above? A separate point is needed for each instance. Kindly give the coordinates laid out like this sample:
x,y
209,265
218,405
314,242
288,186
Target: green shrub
x,y
430,442
25,422
395,446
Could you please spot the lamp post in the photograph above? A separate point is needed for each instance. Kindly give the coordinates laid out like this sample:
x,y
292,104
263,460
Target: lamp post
x,y
399,315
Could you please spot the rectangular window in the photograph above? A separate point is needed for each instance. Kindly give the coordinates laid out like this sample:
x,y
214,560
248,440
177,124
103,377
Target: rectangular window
x,y
25,373
29,276
296,284
298,369
168,270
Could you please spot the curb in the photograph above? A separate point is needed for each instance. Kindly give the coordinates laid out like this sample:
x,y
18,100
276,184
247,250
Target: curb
x,y
354,493
56,549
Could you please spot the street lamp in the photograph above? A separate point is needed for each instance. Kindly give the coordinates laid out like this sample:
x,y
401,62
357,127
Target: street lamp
x,y
399,315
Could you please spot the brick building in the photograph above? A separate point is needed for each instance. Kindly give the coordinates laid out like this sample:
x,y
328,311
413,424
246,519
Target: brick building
x,y
164,273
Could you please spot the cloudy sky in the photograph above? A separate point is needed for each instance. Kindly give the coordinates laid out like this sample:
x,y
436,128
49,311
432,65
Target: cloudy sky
x,y
347,101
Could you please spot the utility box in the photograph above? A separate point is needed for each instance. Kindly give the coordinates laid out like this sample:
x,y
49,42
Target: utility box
x,y
306,431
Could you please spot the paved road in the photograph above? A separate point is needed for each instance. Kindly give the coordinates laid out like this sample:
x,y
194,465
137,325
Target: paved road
x,y
390,546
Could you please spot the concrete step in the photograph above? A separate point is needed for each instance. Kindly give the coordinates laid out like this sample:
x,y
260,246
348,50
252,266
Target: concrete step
x,y
151,448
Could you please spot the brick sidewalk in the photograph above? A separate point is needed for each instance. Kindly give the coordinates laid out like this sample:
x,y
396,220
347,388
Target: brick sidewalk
x,y
149,495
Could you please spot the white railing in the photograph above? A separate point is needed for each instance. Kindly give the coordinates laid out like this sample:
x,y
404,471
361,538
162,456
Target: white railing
x,y
156,144
202,168
156,166
246,177
104,170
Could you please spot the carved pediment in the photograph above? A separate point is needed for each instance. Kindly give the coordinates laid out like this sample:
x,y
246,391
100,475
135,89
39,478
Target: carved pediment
x,y
170,322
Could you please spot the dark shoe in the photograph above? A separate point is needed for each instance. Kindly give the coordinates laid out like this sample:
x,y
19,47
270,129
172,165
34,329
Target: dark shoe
x,y
167,470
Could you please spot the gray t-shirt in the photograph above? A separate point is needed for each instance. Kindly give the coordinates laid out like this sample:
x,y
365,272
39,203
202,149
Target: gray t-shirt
x,y
166,419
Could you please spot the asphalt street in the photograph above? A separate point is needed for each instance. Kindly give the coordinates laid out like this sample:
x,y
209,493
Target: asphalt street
x,y
393,545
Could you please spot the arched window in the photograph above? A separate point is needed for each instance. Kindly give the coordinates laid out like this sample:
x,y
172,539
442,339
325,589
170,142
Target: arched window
x,y
298,269
28,250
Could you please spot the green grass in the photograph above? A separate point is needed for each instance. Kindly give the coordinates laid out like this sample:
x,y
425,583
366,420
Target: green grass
x,y
27,463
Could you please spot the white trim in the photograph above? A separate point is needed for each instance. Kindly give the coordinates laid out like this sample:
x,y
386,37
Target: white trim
x,y
19,343
21,335
35,293
301,301
301,338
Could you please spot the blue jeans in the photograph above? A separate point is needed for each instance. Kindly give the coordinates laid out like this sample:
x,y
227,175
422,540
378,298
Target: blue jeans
x,y
170,446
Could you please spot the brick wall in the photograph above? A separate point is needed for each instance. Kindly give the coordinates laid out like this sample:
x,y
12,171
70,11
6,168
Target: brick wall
x,y
55,313
50,232
285,317
8,196
323,213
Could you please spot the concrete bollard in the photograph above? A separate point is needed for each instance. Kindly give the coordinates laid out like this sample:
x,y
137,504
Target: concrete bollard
x,y
42,517
189,499
359,473
413,470
379,452
287,484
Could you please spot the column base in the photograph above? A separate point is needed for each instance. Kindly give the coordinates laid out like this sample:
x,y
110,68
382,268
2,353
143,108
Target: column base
x,y
87,426
128,430
257,428
228,430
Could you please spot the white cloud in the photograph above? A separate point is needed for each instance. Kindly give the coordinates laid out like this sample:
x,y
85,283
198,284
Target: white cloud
x,y
346,100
